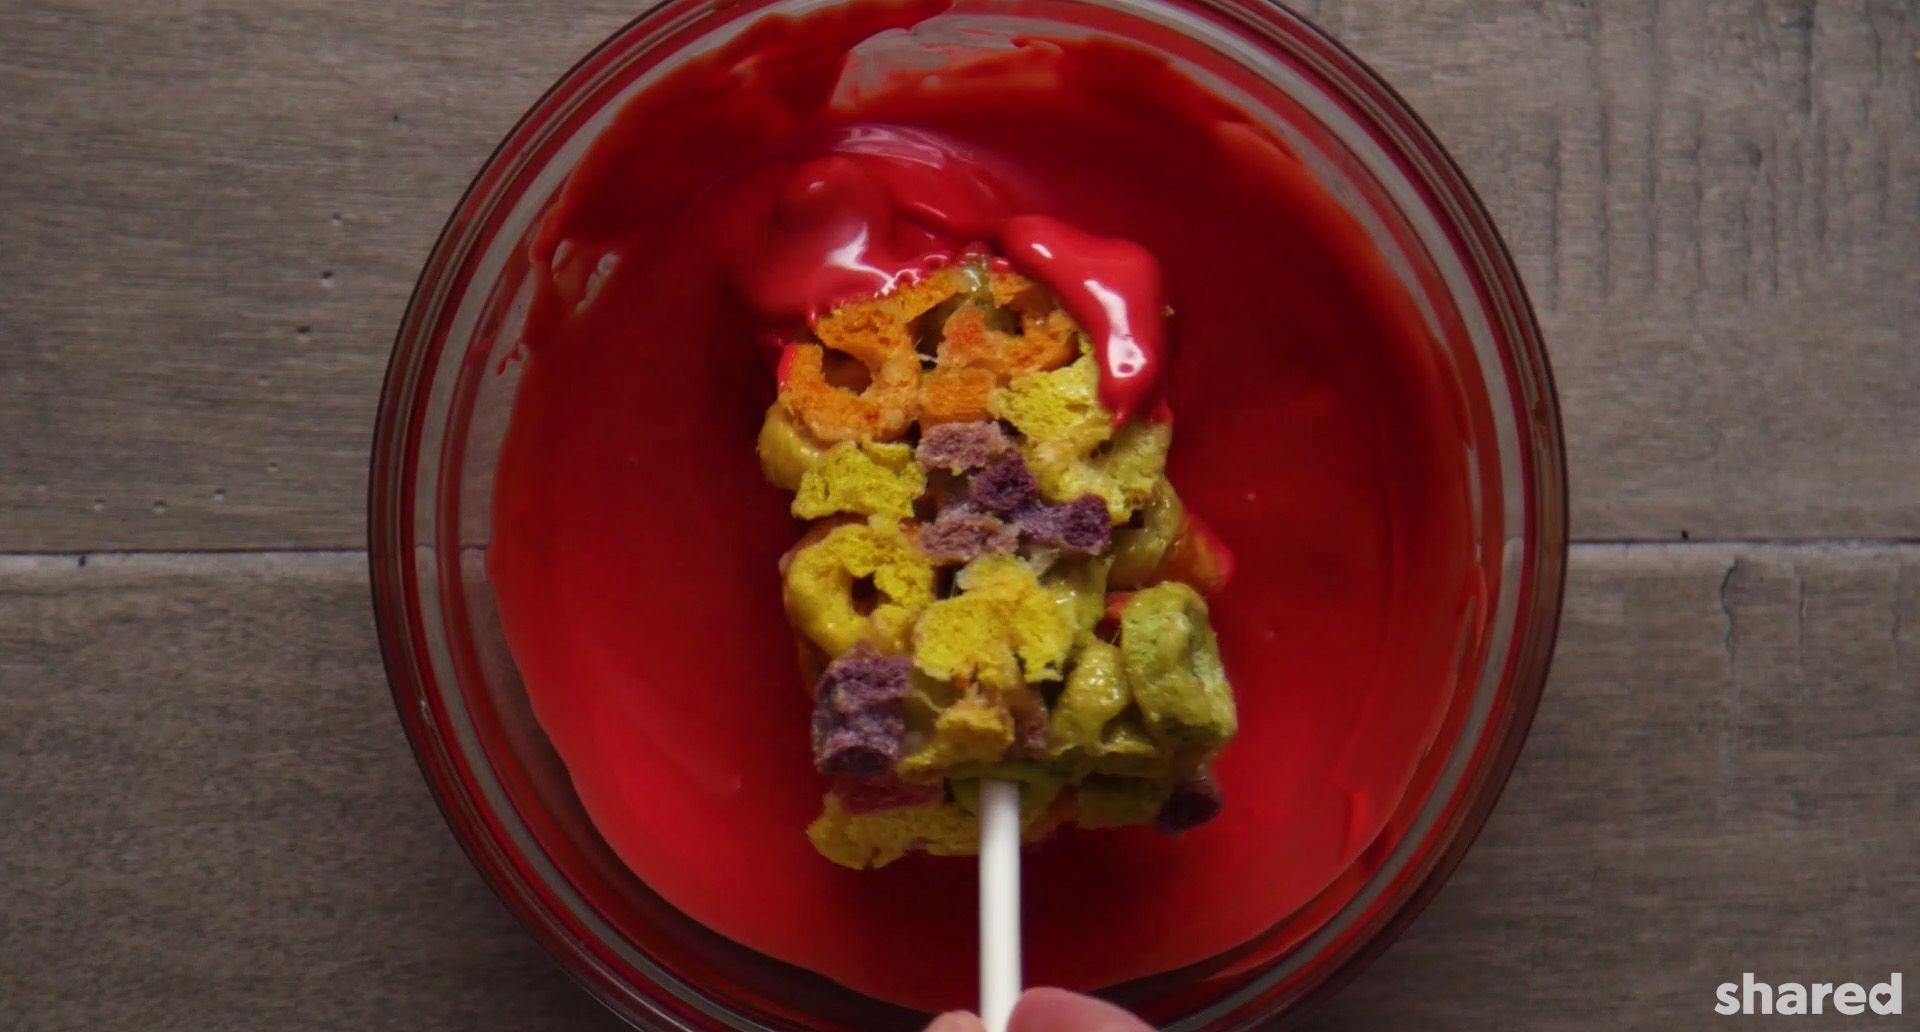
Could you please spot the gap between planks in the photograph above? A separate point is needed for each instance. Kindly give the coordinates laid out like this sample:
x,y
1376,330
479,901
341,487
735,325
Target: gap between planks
x,y
1591,545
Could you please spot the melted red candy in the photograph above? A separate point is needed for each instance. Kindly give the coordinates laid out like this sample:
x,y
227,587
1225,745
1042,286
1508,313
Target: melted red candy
x,y
635,542
1111,287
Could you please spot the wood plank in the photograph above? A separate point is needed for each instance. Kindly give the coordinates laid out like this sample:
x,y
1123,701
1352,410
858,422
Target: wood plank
x,y
213,820
212,234
1716,207
1721,780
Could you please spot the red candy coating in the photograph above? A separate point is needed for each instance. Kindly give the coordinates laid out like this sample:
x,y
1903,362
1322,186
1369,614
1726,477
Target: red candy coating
x,y
1317,430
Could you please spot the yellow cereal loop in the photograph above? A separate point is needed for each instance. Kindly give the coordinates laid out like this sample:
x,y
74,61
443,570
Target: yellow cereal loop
x,y
786,449
1064,427
1124,476
971,731
878,839
866,478
871,840
1058,410
966,639
820,581
1003,629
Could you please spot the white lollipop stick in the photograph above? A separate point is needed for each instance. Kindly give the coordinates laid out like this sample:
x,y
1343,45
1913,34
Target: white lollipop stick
x,y
999,901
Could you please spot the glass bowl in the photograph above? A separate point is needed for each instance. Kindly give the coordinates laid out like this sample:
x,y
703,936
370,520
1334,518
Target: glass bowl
x,y
505,792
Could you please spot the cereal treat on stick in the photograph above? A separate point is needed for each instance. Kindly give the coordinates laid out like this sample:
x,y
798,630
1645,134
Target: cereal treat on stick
x,y
996,581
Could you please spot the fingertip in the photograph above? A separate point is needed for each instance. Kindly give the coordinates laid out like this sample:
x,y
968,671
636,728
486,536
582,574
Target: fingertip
x,y
1057,1010
956,1021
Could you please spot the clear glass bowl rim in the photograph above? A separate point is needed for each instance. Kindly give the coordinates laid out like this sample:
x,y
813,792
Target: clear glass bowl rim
x,y
392,496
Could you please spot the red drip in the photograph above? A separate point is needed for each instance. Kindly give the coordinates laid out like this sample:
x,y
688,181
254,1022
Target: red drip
x,y
1112,287
882,205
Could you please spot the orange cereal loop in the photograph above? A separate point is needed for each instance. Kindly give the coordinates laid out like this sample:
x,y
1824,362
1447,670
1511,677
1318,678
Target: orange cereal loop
x,y
958,395
883,411
1012,290
865,332
914,300
966,340
1046,341
877,333
876,328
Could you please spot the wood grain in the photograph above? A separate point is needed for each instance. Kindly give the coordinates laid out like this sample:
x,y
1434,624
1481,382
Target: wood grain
x,y
1716,206
199,839
214,212
1721,779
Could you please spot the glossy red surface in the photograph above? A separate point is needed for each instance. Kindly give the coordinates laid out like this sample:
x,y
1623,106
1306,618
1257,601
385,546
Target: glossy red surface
x,y
634,541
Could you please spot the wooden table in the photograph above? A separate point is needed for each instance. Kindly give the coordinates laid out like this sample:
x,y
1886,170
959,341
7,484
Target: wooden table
x,y
211,214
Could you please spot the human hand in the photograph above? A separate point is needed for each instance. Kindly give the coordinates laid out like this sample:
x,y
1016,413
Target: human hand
x,y
1051,1010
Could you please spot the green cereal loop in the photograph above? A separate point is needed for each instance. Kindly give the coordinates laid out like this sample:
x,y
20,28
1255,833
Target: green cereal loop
x,y
1038,789
1079,588
1139,551
1173,665
1127,750
1095,693
1107,802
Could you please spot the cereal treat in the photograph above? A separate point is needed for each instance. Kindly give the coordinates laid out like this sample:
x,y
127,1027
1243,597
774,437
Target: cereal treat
x,y
995,581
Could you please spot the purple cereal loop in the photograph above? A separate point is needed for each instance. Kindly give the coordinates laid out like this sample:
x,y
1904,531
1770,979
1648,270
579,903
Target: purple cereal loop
x,y
962,447
959,536
1005,487
859,717
1079,526
879,794
1195,801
